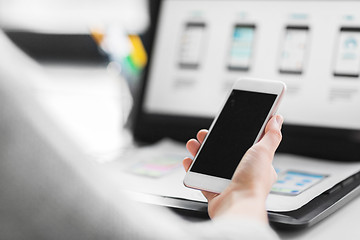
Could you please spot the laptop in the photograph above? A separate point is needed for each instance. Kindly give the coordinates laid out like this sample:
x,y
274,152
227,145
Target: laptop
x,y
198,49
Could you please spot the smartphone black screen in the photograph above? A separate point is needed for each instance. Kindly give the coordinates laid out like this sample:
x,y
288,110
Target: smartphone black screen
x,y
233,133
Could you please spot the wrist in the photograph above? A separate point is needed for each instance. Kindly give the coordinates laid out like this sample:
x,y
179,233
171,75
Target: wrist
x,y
246,203
249,192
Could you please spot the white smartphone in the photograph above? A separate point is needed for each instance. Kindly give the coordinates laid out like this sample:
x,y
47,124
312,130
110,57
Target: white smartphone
x,y
239,125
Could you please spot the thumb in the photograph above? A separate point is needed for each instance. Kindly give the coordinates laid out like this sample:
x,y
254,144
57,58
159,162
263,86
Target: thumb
x,y
272,136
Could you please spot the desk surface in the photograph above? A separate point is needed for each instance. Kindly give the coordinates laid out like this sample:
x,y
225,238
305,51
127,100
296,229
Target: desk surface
x,y
99,105
343,224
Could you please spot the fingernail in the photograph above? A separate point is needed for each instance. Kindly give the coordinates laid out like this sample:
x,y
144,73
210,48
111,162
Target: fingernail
x,y
279,120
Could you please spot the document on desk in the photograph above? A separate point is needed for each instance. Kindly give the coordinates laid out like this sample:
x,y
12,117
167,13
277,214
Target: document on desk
x,y
168,179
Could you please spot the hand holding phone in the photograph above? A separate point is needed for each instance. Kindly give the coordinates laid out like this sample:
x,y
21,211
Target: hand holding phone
x,y
237,127
253,178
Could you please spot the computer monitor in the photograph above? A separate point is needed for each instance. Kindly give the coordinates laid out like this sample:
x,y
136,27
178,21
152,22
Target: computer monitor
x,y
199,48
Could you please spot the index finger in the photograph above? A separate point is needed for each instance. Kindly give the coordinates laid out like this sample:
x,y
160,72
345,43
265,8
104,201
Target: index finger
x,y
201,135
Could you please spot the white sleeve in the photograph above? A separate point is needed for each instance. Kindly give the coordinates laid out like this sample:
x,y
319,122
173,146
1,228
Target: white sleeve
x,y
238,228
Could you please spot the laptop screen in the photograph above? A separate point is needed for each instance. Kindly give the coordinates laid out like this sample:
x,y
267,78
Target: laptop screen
x,y
203,46
199,48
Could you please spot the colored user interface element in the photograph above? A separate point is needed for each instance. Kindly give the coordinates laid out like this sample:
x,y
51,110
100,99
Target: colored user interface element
x,y
157,166
293,183
347,62
191,45
241,47
293,52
